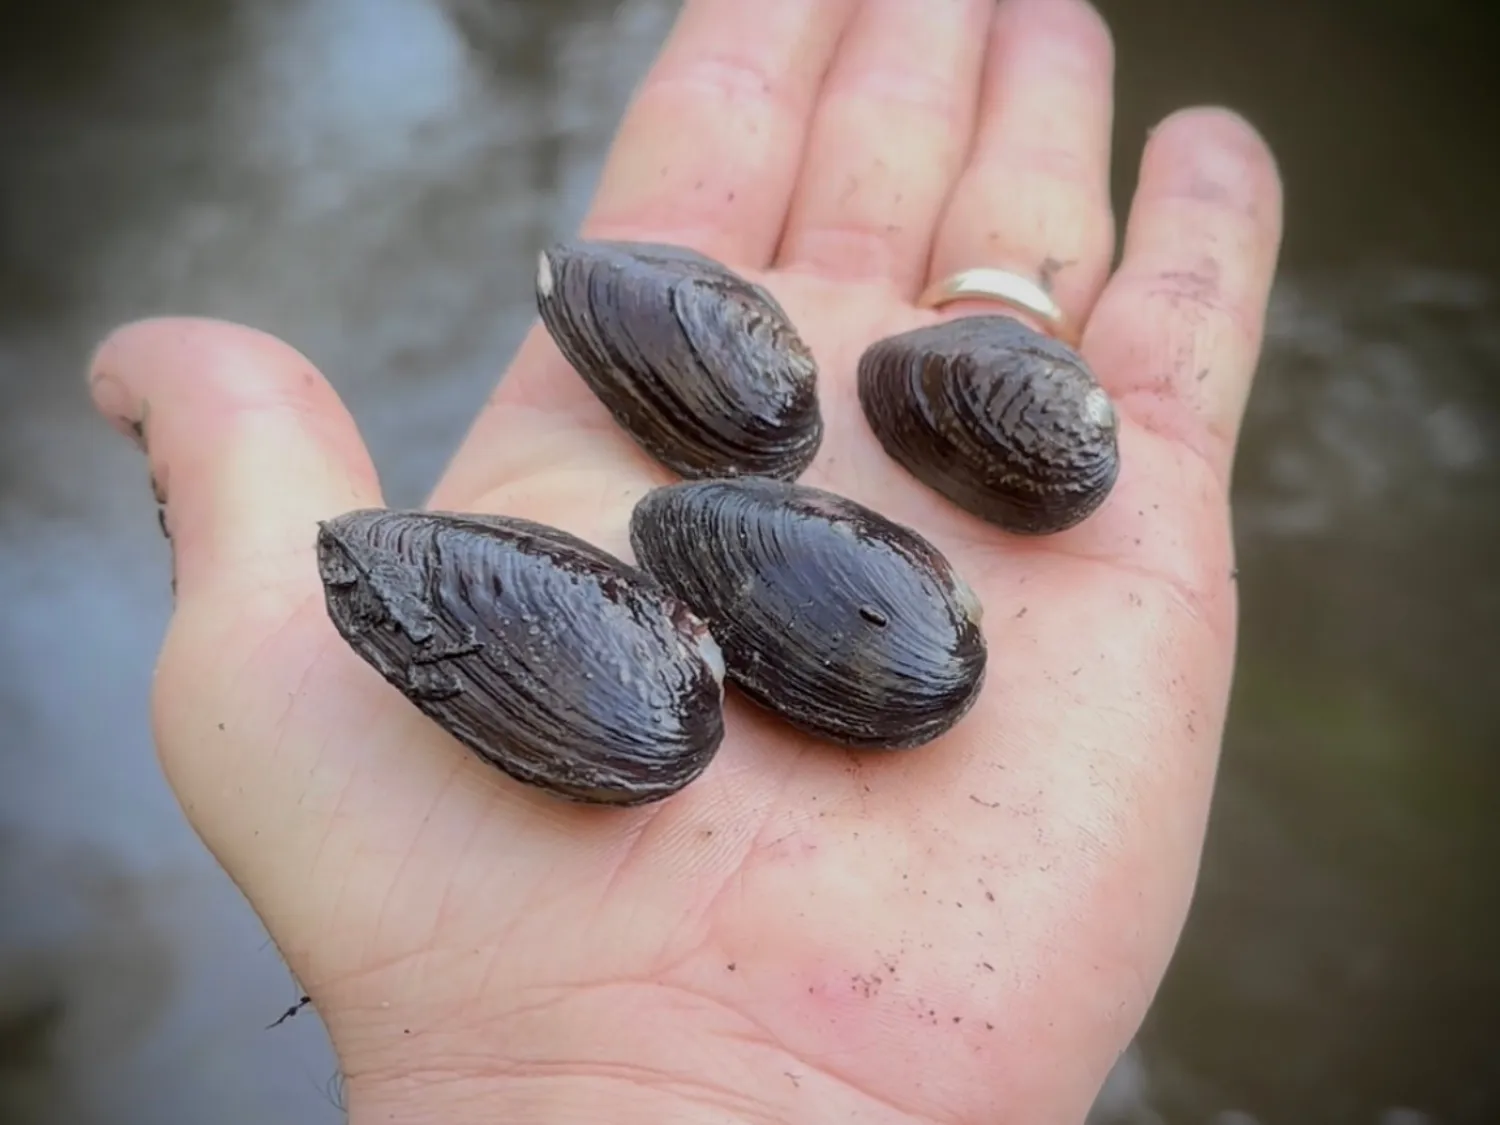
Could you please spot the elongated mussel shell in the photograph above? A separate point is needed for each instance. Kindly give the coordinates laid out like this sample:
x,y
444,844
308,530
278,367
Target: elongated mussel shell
x,y
1005,422
547,657
848,625
700,366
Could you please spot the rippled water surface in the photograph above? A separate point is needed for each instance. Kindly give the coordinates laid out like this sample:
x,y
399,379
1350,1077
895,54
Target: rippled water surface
x,y
371,178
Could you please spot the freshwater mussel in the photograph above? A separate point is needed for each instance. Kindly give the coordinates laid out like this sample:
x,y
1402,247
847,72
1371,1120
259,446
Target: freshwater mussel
x,y
547,657
701,367
1007,423
848,625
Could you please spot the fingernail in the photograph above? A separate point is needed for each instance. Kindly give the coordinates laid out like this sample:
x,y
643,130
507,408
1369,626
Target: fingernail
x,y
113,401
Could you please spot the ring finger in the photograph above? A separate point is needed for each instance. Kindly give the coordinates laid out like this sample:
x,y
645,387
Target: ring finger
x,y
889,136
1034,198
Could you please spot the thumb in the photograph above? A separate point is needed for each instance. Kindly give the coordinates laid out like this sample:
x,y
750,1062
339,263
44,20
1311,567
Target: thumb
x,y
249,447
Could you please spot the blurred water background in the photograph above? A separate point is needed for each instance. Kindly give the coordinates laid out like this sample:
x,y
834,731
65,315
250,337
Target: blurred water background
x,y
371,180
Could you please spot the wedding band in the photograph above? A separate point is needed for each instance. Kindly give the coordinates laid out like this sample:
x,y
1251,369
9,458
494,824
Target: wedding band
x,y
996,285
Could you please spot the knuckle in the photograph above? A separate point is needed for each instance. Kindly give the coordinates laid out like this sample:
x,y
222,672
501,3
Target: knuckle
x,y
1194,297
909,91
724,77
851,249
1061,169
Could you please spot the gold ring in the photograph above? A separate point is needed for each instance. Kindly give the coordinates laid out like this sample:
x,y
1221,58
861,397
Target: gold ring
x,y
996,285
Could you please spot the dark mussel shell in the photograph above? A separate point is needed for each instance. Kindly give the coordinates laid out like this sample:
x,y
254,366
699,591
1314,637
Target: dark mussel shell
x,y
848,625
700,366
1007,423
545,656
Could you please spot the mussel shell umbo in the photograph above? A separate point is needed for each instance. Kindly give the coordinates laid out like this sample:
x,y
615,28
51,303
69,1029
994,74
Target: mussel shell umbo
x,y
1007,423
848,625
701,367
547,657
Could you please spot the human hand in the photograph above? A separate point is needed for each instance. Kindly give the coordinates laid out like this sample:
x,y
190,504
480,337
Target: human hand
x,y
967,932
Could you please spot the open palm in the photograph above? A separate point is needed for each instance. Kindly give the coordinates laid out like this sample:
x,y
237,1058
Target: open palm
x,y
969,932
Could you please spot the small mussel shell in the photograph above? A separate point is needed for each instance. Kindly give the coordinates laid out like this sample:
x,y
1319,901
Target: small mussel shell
x,y
848,625
1005,422
556,662
700,366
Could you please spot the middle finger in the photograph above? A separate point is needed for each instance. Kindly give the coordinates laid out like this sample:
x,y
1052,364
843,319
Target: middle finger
x,y
889,136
